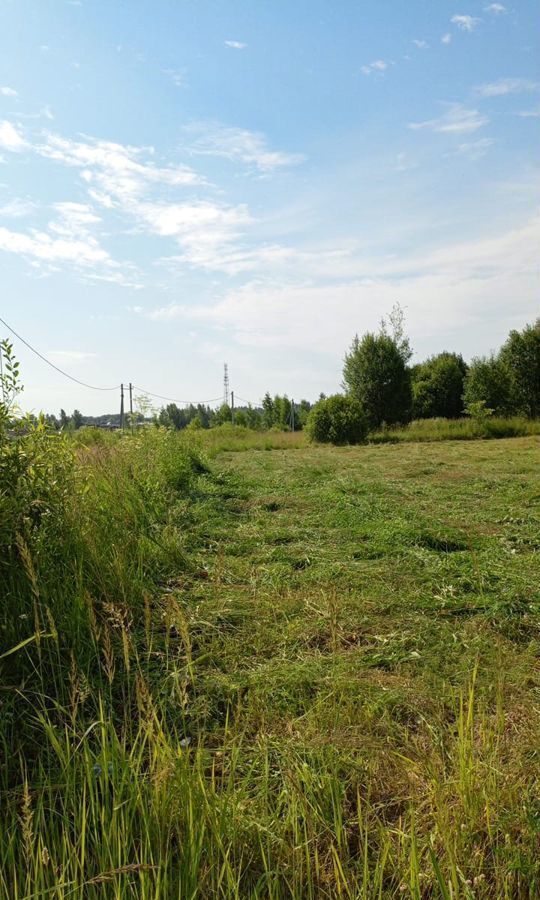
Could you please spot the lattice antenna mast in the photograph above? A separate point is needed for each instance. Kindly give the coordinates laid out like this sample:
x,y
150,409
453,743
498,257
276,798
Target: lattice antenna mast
x,y
226,384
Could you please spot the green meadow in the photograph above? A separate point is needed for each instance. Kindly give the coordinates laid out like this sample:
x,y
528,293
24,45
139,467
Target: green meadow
x,y
247,667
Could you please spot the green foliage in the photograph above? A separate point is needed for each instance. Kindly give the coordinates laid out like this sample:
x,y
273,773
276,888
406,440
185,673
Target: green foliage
x,y
437,387
76,419
478,411
337,420
10,384
488,380
521,356
376,375
223,415
482,425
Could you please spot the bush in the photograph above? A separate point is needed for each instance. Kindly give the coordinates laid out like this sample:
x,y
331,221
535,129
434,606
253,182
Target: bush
x,y
337,420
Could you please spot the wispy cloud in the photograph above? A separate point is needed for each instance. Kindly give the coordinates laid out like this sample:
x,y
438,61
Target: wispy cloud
x,y
44,247
507,86
213,139
465,22
235,45
469,280
379,66
422,45
204,231
150,198
495,8
18,208
116,173
474,150
457,119
178,78
529,113
10,137
446,38
6,91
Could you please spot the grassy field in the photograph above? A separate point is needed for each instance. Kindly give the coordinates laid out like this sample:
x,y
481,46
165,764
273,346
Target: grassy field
x,y
305,673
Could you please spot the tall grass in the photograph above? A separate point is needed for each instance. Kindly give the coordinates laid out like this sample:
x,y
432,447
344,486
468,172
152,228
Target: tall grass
x,y
466,429
126,773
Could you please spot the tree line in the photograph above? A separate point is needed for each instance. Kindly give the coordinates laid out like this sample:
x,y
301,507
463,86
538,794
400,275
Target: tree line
x,y
381,388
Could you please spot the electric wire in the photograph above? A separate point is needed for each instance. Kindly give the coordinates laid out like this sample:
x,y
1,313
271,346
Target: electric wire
x,y
243,399
92,387
174,399
116,387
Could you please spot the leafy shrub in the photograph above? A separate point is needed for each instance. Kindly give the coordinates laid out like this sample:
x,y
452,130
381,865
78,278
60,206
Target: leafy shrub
x,y
337,420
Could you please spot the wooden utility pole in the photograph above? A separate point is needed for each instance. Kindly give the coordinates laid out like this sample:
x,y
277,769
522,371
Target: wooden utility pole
x,y
131,405
122,407
292,414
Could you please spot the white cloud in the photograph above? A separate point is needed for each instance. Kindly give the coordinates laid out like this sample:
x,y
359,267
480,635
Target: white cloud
x,y
496,8
235,45
529,113
68,239
507,86
378,66
474,150
446,38
463,286
74,219
457,119
10,137
422,45
45,248
466,23
239,144
203,230
6,91
18,208
117,172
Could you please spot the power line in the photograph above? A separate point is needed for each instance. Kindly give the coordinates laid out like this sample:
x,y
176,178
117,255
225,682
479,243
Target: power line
x,y
116,387
249,402
52,365
175,399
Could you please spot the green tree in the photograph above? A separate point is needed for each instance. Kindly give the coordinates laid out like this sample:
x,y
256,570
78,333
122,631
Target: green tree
x,y
76,419
223,414
488,380
337,420
254,418
437,386
375,373
282,412
241,418
521,356
268,414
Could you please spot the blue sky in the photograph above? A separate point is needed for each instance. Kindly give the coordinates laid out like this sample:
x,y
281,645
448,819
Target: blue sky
x,y
184,183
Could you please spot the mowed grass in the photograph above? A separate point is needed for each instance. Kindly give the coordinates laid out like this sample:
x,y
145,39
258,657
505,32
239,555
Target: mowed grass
x,y
339,695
